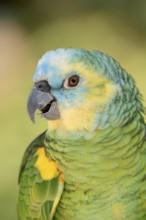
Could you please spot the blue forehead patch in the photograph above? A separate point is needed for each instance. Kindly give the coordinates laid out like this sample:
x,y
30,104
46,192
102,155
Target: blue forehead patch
x,y
47,71
52,65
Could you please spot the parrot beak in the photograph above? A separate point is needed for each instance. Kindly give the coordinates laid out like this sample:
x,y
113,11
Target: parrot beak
x,y
45,102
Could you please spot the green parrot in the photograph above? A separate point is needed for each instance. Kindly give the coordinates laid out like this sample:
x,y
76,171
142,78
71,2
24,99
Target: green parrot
x,y
90,163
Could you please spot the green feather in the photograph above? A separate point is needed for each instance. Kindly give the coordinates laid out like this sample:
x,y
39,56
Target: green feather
x,y
36,196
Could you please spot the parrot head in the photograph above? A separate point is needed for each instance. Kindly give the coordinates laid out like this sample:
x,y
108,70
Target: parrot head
x,y
81,91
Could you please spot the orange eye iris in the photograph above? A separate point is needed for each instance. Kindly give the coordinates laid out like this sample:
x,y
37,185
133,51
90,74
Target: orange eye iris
x,y
73,81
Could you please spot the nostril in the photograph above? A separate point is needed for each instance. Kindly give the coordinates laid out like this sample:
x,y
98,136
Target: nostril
x,y
42,86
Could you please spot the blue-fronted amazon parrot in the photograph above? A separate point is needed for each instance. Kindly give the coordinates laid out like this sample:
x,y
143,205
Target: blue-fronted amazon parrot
x,y
90,163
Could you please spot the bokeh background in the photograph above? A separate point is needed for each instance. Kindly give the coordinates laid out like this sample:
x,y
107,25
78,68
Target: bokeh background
x,y
28,28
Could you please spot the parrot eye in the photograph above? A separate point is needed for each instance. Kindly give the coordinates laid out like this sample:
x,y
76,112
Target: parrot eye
x,y
71,81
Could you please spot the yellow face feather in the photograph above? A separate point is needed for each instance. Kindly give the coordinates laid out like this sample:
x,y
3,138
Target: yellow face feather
x,y
82,117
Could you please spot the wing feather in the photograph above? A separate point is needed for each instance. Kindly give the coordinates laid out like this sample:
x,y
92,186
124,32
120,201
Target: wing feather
x,y
37,196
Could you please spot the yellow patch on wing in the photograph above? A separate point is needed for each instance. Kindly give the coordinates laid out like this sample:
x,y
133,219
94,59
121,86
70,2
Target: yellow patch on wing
x,y
118,211
46,166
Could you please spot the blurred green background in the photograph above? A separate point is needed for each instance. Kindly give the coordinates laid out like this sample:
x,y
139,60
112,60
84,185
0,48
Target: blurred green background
x,y
31,27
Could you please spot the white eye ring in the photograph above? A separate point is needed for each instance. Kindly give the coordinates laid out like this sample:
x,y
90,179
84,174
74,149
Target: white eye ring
x,y
71,81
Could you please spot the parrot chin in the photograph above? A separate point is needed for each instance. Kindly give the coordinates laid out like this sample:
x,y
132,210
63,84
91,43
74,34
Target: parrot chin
x,y
43,101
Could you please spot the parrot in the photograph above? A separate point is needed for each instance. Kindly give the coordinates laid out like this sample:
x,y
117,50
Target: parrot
x,y
90,162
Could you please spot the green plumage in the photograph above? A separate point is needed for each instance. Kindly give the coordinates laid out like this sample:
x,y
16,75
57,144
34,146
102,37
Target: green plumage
x,y
36,196
103,165
100,174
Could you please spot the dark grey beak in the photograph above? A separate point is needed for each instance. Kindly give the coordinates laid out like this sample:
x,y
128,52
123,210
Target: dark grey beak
x,y
43,101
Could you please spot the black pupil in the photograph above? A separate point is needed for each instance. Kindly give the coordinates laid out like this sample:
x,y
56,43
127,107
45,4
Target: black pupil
x,y
73,81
